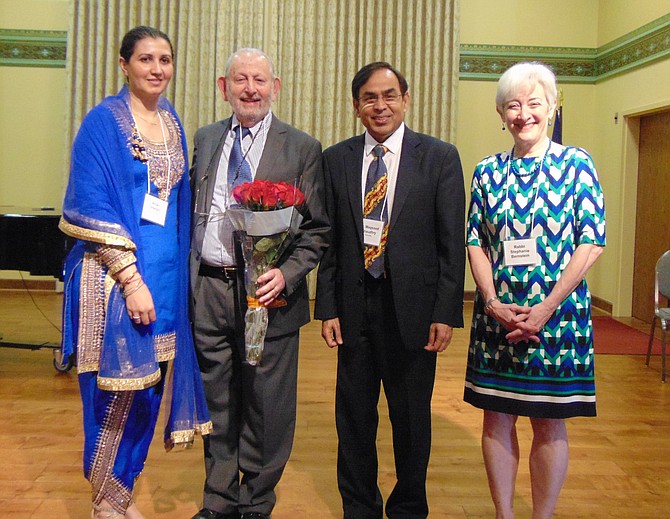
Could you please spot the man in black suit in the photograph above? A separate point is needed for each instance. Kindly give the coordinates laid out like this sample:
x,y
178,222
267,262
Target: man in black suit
x,y
253,408
390,288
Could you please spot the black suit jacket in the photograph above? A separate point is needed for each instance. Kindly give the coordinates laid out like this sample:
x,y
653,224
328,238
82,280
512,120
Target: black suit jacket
x,y
425,253
289,154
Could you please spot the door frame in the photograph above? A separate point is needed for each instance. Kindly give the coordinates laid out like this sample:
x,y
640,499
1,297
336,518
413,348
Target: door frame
x,y
623,304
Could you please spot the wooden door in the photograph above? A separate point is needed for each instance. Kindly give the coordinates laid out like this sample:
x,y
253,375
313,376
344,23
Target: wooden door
x,y
652,222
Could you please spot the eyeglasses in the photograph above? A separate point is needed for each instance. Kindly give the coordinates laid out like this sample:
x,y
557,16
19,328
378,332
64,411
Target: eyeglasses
x,y
389,98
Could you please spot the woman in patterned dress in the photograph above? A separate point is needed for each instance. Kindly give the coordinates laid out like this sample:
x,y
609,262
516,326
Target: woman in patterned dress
x,y
536,226
126,299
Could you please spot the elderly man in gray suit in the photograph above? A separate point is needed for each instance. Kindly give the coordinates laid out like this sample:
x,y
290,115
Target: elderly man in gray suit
x,y
252,407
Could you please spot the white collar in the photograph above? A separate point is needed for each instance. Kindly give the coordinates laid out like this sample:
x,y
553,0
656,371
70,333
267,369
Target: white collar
x,y
393,143
264,122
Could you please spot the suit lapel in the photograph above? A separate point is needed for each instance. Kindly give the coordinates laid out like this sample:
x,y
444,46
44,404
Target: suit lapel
x,y
353,167
212,169
273,145
410,161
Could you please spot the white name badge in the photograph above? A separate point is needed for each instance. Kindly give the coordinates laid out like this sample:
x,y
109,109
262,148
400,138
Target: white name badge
x,y
521,252
154,209
372,232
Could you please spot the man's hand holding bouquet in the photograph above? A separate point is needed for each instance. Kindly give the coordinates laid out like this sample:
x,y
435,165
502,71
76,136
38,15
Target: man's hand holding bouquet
x,y
267,215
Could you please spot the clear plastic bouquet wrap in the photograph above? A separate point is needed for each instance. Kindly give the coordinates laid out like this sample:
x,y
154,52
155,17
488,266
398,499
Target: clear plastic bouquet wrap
x,y
266,218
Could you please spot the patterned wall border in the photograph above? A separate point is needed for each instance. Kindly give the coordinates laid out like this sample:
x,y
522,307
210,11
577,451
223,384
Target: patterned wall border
x,y
22,48
647,44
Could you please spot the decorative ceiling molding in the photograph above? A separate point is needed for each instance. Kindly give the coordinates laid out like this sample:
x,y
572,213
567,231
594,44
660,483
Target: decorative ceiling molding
x,y
645,45
25,48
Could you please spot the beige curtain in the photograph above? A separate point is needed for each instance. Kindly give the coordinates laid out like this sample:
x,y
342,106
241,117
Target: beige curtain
x,y
317,47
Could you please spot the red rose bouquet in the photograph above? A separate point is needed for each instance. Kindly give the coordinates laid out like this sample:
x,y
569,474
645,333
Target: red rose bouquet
x,y
265,218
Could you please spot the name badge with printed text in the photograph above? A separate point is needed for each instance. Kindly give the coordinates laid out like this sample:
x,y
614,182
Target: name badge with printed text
x,y
372,232
521,252
154,209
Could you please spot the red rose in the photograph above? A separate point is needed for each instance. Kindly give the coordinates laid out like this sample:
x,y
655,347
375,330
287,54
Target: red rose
x,y
241,193
299,198
263,195
269,198
255,194
285,194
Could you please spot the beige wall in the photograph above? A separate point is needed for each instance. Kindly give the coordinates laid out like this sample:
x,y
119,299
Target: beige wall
x,y
567,23
33,157
618,17
32,161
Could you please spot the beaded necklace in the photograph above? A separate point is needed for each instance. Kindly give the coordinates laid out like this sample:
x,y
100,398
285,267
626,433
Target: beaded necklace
x,y
536,166
511,166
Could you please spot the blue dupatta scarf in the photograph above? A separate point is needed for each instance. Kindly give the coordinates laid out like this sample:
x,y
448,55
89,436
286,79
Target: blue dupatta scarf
x,y
98,209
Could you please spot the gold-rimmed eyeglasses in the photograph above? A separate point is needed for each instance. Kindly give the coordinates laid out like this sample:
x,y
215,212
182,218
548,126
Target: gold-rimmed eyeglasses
x,y
389,98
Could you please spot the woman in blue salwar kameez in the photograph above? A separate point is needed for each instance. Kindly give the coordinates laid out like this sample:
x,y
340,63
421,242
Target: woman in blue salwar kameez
x,y
125,312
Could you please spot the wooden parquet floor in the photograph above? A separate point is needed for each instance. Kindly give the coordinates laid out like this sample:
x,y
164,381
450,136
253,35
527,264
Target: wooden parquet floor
x,y
620,461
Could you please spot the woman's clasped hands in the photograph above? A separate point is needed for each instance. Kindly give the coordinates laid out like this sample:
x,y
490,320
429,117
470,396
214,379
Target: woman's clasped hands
x,y
523,323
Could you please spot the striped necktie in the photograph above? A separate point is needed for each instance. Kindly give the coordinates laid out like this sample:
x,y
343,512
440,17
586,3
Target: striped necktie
x,y
239,170
375,208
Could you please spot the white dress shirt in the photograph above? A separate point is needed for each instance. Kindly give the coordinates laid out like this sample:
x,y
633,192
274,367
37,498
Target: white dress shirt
x,y
392,160
217,247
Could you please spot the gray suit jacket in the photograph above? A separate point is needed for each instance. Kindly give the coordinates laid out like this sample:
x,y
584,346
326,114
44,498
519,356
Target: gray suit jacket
x,y
289,154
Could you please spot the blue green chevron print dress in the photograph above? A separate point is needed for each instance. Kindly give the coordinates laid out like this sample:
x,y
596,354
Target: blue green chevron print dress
x,y
561,199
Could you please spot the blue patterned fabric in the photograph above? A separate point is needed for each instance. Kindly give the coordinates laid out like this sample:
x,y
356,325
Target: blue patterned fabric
x,y
561,199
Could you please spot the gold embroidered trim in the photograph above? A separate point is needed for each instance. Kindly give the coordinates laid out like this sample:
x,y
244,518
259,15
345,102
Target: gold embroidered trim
x,y
180,438
83,233
205,428
185,438
91,313
129,384
104,484
165,346
109,285
158,157
116,258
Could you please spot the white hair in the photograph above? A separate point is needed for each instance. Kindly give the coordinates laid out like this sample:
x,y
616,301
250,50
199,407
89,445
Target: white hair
x,y
248,50
524,75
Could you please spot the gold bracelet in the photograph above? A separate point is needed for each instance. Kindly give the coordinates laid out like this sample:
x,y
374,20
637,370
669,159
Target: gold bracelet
x,y
129,279
127,293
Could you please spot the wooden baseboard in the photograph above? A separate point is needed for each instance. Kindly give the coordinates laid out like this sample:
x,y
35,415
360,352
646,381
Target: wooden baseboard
x,y
30,284
601,304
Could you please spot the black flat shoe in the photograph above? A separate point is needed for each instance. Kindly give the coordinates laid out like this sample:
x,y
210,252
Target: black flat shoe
x,y
206,513
255,515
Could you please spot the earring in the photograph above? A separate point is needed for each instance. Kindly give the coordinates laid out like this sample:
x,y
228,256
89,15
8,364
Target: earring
x,y
503,127
550,122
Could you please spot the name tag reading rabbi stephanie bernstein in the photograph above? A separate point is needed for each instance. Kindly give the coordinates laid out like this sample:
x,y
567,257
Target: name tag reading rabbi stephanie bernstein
x,y
521,252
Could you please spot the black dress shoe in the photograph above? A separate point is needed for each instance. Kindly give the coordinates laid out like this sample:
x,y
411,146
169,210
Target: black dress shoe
x,y
255,515
206,513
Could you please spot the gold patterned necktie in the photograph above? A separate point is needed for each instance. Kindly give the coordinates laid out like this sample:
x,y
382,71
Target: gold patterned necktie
x,y
375,208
